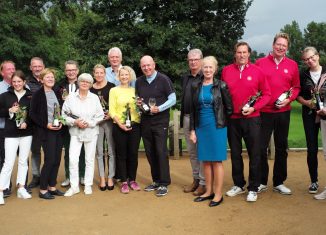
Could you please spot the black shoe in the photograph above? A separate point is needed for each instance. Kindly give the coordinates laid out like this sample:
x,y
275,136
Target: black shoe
x,y
109,187
35,182
6,193
29,190
152,187
213,203
46,196
162,191
102,188
201,199
56,192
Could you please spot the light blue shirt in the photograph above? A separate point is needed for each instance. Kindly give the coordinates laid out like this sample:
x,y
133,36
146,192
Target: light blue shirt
x,y
3,88
172,98
112,77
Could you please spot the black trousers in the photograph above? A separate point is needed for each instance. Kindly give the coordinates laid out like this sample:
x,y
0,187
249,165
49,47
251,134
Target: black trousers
x,y
311,129
155,143
127,144
52,147
249,130
279,123
2,148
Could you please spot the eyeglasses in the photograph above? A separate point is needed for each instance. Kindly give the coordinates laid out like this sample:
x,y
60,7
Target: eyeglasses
x,y
193,60
309,58
70,70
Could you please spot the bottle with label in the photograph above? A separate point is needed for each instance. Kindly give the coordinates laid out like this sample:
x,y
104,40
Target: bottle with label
x,y
144,108
283,96
55,122
128,116
251,101
319,103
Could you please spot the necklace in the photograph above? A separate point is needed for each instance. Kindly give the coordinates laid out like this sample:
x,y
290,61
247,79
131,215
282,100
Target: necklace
x,y
206,105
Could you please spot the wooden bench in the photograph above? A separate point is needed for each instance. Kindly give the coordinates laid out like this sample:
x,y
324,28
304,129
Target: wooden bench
x,y
176,135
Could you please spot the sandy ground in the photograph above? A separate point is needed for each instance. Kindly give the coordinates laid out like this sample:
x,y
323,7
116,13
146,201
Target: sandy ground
x,y
111,212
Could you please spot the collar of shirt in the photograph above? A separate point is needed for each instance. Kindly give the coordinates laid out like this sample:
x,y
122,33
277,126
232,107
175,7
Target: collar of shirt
x,y
151,78
77,94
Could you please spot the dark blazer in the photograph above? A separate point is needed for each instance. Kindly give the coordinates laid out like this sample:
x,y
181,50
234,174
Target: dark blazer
x,y
7,99
186,78
222,103
39,111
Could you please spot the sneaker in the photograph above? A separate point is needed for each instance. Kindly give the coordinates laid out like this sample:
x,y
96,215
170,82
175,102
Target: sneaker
x,y
6,193
124,188
2,201
152,187
65,183
313,188
134,185
282,189
22,193
234,191
88,190
71,192
252,196
82,181
162,191
321,196
262,188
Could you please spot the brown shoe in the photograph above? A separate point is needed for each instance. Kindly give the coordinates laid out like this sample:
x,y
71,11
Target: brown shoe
x,y
200,190
192,187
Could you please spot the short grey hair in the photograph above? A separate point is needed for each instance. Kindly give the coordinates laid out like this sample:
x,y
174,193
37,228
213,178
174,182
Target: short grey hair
x,y
116,49
196,51
72,62
85,77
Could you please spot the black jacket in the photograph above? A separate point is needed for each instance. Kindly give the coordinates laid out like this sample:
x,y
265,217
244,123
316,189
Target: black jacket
x,y
222,103
39,111
307,85
33,84
186,78
7,99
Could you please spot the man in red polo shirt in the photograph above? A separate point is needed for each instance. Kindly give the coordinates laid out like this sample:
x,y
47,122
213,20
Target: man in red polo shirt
x,y
283,77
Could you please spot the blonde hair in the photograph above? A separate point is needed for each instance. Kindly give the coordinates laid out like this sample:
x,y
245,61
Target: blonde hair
x,y
132,75
99,66
45,72
282,35
211,59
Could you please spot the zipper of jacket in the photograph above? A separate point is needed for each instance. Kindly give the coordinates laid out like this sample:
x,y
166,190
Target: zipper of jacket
x,y
241,68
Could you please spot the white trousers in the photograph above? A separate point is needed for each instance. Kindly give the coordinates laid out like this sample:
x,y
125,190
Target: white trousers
x,y
11,147
74,152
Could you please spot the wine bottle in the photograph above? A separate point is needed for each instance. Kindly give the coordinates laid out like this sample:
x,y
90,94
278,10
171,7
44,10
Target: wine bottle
x,y
128,117
319,103
251,101
283,96
71,115
55,122
144,108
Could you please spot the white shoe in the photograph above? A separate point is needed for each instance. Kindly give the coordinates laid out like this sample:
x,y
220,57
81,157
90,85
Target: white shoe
x,y
321,196
82,181
262,188
71,192
88,190
2,201
234,191
282,189
22,193
252,196
65,183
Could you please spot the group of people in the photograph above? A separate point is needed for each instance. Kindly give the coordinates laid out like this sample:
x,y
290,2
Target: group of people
x,y
113,110
249,102
86,114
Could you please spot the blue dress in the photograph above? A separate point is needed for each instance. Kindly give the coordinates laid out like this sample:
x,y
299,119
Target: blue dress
x,y
211,141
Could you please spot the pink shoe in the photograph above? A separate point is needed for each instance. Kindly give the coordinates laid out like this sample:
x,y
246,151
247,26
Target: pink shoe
x,y
134,185
124,188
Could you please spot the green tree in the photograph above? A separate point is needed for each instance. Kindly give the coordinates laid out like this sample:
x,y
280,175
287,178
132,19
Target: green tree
x,y
296,41
315,35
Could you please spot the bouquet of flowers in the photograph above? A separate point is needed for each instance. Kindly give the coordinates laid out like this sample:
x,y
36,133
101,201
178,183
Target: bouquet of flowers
x,y
21,115
57,118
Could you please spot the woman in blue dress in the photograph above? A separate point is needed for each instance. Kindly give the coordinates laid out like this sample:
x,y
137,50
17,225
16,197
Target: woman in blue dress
x,y
210,109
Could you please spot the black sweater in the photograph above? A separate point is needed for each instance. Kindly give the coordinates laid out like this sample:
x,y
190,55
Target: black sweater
x,y
7,100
